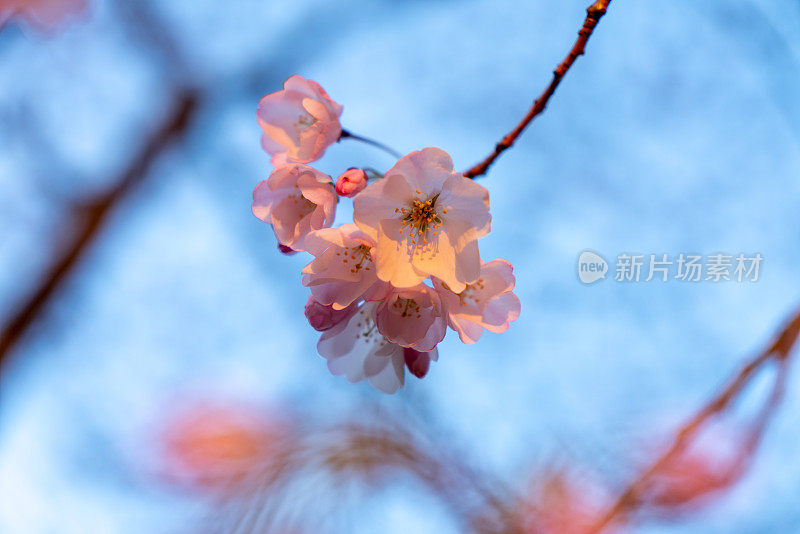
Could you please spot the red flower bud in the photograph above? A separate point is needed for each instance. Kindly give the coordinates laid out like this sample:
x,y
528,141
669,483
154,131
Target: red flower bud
x,y
417,362
351,182
286,250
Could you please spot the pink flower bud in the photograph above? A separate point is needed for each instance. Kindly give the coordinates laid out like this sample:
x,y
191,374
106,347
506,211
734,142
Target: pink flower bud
x,y
417,362
289,251
351,182
322,317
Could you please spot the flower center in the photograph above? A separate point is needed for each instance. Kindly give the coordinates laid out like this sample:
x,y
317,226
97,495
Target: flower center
x,y
304,122
469,292
304,206
368,330
420,217
361,253
406,307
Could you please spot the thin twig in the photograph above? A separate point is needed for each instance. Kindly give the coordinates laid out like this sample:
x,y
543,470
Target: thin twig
x,y
88,217
348,135
593,15
779,350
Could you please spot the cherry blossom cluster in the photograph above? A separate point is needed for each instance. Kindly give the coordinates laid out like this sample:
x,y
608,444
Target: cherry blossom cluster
x,y
385,287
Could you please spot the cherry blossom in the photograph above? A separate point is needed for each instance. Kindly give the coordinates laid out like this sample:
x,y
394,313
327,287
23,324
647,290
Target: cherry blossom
x,y
43,15
323,317
356,349
385,287
351,182
343,269
412,317
487,303
295,200
299,122
426,220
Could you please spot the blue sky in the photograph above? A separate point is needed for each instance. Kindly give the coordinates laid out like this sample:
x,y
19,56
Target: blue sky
x,y
677,132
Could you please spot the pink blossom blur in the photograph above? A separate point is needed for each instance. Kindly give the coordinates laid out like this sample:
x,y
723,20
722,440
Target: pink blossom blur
x,y
562,502
213,445
43,15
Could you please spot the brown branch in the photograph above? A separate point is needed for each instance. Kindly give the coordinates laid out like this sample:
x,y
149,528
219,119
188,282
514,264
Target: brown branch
x,y
593,15
87,218
779,351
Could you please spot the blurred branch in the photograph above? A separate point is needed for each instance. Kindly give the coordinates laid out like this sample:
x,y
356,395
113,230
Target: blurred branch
x,y
87,218
779,351
593,15
314,467
147,28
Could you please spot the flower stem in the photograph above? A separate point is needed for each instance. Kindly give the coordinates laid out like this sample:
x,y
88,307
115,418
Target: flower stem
x,y
372,174
345,134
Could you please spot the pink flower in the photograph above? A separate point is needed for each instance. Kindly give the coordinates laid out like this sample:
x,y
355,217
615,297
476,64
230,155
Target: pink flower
x,y
343,269
299,122
43,15
485,303
412,317
356,349
322,317
426,220
295,200
351,182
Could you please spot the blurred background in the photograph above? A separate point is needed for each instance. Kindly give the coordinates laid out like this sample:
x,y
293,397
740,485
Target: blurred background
x,y
158,374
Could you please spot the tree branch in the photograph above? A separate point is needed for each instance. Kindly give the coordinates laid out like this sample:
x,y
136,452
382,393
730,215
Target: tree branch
x,y
778,351
87,219
593,15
